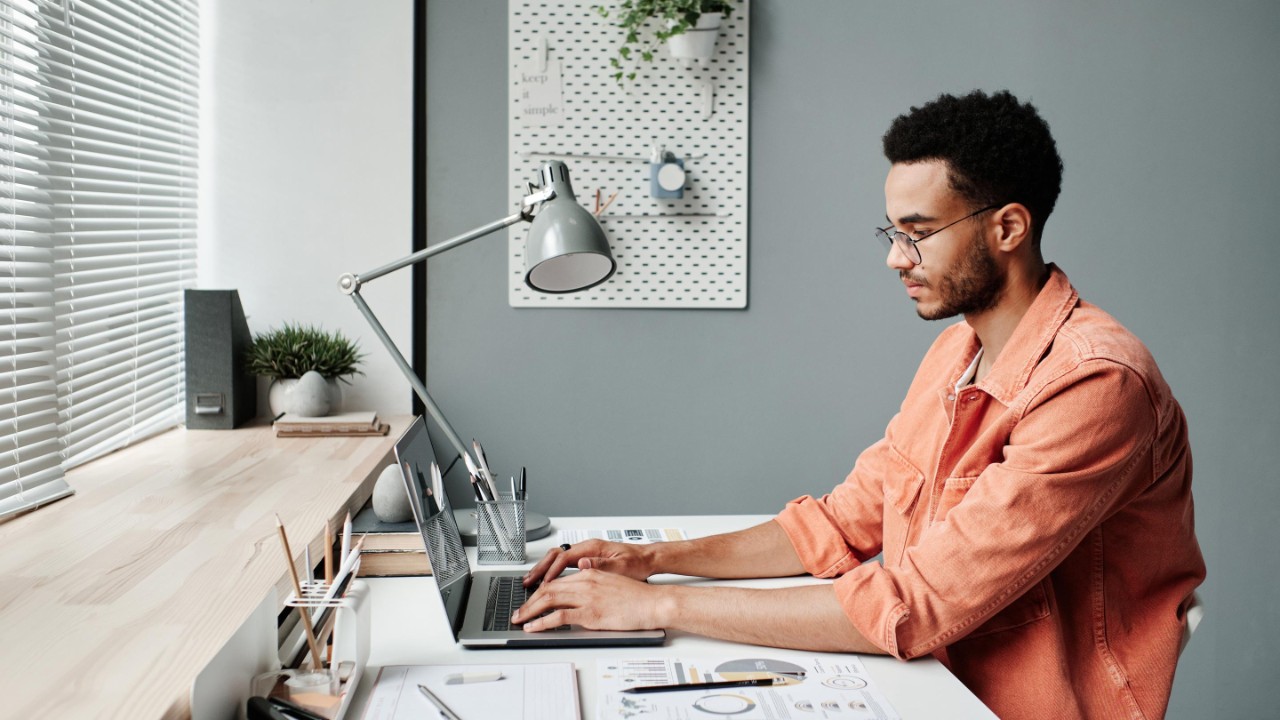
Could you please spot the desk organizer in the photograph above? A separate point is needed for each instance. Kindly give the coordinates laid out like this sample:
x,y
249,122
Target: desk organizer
x,y
350,651
500,535
249,664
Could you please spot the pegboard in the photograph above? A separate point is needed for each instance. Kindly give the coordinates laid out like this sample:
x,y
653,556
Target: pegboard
x,y
671,253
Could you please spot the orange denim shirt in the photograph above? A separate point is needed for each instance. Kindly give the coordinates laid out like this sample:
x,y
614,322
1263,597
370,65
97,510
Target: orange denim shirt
x,y
1036,527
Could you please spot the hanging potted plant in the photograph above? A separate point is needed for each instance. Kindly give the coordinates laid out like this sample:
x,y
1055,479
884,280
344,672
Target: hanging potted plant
x,y
305,364
689,27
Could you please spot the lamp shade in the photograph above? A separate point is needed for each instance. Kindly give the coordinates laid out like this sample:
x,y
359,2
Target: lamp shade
x,y
567,250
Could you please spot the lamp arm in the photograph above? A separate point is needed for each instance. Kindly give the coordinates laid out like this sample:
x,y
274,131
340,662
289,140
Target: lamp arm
x,y
350,284
418,386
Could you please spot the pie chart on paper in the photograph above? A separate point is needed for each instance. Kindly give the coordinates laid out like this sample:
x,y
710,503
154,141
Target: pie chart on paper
x,y
750,668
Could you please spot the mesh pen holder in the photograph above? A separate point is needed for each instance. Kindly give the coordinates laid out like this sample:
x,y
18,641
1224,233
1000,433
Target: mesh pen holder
x,y
500,535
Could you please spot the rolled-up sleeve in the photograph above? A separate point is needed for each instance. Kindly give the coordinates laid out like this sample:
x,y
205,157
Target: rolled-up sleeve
x,y
842,529
1082,448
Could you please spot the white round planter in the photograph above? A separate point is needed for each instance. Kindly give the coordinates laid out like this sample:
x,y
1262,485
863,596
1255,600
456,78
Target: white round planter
x,y
281,399
698,43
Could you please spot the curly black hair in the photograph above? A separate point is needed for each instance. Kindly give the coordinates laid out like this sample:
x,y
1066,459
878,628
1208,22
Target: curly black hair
x,y
998,150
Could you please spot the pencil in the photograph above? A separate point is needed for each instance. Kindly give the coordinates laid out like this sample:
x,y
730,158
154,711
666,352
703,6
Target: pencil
x,y
297,590
328,553
607,203
328,579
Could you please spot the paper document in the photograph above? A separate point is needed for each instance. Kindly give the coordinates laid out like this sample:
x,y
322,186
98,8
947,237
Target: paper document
x,y
525,692
641,536
835,686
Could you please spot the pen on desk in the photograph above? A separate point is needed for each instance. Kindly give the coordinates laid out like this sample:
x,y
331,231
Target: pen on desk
x,y
522,484
754,682
445,712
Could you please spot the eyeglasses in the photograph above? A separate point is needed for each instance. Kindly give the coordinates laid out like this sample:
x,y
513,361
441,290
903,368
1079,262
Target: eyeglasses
x,y
907,244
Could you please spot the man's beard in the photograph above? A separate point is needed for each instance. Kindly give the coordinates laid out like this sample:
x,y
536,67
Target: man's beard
x,y
974,286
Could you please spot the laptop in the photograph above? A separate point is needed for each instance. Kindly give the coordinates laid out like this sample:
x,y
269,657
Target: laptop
x,y
479,604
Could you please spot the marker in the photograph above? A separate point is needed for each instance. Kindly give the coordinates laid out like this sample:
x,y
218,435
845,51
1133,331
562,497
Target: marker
x,y
464,678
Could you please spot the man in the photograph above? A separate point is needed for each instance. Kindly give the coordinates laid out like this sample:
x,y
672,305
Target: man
x,y
1032,498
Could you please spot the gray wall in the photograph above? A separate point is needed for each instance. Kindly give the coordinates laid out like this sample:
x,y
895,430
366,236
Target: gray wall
x,y
1165,114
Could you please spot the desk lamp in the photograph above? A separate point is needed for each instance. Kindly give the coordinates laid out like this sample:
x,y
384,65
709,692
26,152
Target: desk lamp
x,y
566,251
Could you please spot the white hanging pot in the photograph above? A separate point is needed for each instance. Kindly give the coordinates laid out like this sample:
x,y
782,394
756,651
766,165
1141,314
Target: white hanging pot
x,y
285,395
698,43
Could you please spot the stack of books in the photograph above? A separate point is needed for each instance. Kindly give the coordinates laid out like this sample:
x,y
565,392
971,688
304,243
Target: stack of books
x,y
353,423
390,549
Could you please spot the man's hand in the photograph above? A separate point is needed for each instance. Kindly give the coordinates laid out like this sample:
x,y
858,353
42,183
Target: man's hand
x,y
807,617
632,561
595,600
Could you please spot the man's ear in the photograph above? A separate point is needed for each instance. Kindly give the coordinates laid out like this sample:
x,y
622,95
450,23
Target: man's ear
x,y
1013,227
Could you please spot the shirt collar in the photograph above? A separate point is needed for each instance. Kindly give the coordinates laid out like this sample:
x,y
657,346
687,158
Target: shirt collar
x,y
1031,338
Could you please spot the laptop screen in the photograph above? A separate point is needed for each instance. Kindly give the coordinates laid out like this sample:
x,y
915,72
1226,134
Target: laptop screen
x,y
435,522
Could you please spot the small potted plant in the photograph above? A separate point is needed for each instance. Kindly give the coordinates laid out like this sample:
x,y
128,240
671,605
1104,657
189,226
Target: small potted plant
x,y
288,353
689,27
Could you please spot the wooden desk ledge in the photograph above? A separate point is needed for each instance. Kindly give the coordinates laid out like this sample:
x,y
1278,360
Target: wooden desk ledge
x,y
113,600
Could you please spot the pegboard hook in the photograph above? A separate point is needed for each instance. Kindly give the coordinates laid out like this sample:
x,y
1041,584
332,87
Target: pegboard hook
x,y
542,52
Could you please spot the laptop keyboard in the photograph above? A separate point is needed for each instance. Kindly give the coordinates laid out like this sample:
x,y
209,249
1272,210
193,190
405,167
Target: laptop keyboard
x,y
506,593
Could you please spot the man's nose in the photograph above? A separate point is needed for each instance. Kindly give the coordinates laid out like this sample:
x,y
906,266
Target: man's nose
x,y
897,259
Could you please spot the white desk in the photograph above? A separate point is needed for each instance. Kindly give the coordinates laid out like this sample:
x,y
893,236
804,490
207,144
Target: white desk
x,y
409,627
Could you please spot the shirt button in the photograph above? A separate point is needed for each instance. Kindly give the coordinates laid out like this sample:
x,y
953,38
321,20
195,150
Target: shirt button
x,y
951,397
970,398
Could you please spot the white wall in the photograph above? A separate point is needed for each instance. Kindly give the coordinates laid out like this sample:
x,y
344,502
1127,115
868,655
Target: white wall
x,y
306,168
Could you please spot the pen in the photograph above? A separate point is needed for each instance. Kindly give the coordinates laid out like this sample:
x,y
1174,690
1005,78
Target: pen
x,y
485,473
475,472
477,487
521,484
756,682
445,712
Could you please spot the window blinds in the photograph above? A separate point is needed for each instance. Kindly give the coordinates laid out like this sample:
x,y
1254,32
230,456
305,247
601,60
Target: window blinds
x,y
98,102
